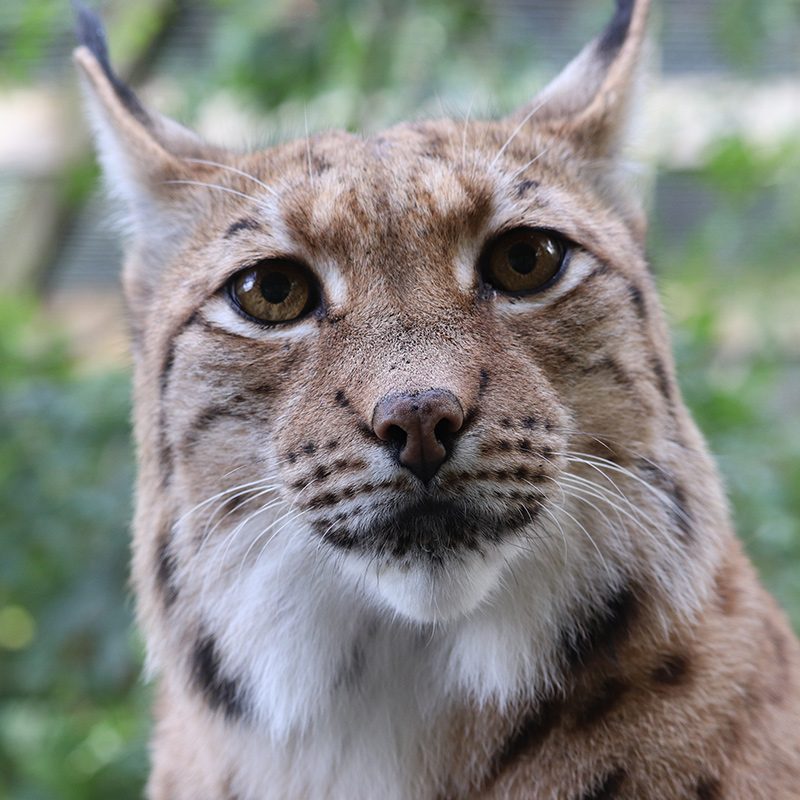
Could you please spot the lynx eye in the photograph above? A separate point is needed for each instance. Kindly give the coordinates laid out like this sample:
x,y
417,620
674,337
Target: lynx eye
x,y
524,260
272,291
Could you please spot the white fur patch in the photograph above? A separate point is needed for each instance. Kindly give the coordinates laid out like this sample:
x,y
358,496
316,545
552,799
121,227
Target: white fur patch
x,y
219,312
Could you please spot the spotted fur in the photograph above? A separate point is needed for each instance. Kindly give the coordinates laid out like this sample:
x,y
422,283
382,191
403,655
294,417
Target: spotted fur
x,y
563,611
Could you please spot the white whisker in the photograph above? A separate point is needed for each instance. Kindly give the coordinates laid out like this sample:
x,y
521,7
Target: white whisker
x,y
215,186
235,171
532,161
516,131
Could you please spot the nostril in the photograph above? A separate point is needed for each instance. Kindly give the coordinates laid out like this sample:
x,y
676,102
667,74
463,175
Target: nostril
x,y
396,436
445,428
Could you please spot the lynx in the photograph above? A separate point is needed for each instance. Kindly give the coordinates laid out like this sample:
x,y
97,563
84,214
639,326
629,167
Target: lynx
x,y
420,510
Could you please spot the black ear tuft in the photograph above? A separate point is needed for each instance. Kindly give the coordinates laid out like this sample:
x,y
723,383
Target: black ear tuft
x,y
616,32
91,34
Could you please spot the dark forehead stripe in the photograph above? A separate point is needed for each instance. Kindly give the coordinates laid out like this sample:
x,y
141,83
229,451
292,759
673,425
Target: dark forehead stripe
x,y
221,693
245,224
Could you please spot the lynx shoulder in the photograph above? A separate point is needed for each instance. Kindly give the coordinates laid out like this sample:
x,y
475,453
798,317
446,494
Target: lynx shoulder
x,y
420,510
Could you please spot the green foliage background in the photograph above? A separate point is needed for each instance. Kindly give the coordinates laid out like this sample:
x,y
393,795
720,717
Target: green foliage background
x,y
73,718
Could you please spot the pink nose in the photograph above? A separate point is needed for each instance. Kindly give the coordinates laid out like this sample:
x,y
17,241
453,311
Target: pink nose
x,y
422,426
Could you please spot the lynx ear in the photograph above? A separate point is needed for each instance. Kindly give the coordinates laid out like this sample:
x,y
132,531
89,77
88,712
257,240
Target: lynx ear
x,y
140,151
589,102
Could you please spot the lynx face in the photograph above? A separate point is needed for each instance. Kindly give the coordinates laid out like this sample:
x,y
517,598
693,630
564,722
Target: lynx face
x,y
415,416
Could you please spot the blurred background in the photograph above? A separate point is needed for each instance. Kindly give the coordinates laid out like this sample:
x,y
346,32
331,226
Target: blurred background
x,y
719,148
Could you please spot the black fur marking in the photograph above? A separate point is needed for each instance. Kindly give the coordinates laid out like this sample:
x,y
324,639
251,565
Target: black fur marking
x,y
679,507
164,447
604,631
91,34
662,380
341,399
674,670
166,568
609,788
245,224
352,670
637,298
426,530
524,186
616,32
611,365
530,731
337,537
221,693
603,703
708,789
321,165
484,381
205,420
680,513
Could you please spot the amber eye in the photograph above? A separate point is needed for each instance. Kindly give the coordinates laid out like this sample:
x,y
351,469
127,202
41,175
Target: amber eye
x,y
524,260
272,291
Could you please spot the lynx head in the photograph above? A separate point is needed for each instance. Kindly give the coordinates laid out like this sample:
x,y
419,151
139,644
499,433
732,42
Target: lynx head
x,y
375,361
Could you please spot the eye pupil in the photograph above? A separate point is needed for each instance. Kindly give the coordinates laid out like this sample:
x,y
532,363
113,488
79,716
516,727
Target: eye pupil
x,y
275,287
522,258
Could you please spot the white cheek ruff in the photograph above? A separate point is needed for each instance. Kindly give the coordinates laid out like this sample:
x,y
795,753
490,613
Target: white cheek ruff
x,y
219,313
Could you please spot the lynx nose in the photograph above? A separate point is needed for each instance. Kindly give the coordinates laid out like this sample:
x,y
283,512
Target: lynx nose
x,y
422,425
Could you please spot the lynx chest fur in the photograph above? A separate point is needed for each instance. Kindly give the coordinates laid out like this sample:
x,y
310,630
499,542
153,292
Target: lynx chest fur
x,y
420,510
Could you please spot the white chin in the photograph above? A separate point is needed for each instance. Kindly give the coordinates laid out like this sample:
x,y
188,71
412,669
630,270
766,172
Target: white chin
x,y
434,594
